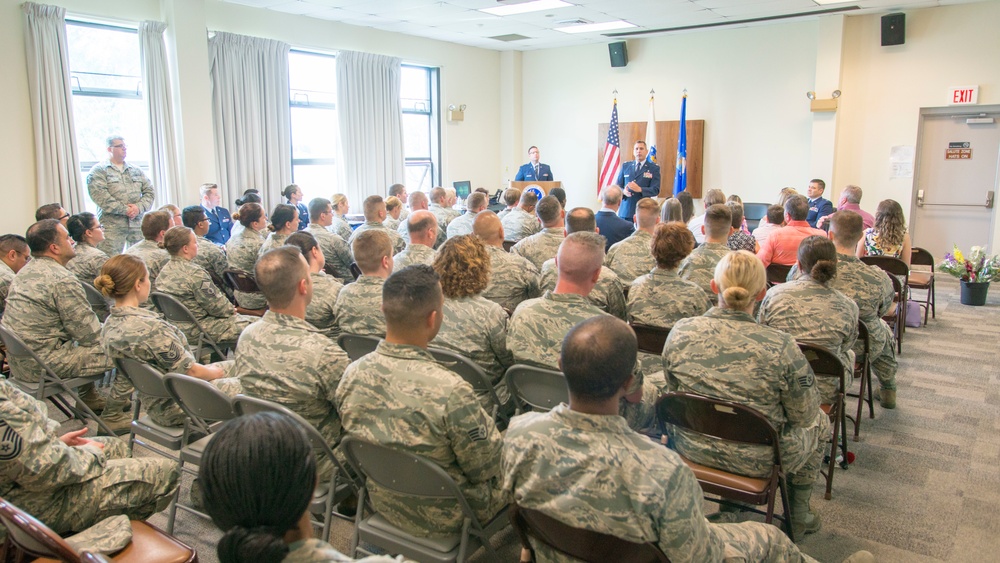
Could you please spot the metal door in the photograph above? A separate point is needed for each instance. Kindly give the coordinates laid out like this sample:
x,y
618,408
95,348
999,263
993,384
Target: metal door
x,y
956,179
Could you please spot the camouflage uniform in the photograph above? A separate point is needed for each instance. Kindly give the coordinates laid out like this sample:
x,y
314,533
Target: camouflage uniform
x,y
335,251
113,190
413,254
512,279
322,310
553,460
70,488
286,360
661,298
725,354
872,292
86,265
313,550
519,224
138,334
444,215
476,328
389,397
398,244
47,309
273,240
153,256
538,326
242,251
540,246
341,227
699,267
462,225
190,284
631,257
392,224
817,315
6,278
503,213
359,307
404,232
211,257
608,294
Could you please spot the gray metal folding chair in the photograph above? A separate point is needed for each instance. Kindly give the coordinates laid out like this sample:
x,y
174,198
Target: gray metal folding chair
x,y
409,474
863,372
825,363
175,311
50,386
149,381
97,301
357,345
538,388
204,405
651,338
340,486
477,378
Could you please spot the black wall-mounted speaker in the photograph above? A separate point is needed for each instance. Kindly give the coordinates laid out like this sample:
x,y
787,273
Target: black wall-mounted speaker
x,y
893,29
619,55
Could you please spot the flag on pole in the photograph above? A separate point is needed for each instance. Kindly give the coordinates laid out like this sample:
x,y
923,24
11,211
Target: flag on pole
x,y
612,157
680,174
651,133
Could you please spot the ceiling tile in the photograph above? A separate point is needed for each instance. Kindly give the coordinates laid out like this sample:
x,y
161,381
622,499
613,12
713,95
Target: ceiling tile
x,y
299,7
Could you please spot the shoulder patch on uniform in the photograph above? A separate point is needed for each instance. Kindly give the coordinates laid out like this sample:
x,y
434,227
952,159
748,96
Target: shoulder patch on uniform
x,y
806,381
11,443
208,287
477,434
169,357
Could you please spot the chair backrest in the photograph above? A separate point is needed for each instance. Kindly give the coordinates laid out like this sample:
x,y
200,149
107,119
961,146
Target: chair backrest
x,y
32,536
16,348
355,270
144,377
823,362
357,345
171,308
541,389
716,418
464,367
753,213
96,299
777,273
892,265
585,545
921,257
651,338
864,337
241,281
507,245
200,400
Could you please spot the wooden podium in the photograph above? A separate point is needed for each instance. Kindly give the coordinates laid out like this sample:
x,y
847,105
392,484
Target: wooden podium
x,y
545,186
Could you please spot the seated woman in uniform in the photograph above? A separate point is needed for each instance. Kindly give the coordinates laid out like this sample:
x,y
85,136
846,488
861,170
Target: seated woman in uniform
x,y
812,311
888,236
190,284
321,309
284,222
243,248
87,232
472,325
725,354
340,225
139,334
257,490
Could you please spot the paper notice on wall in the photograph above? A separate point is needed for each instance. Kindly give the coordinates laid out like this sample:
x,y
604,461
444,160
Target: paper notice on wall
x,y
901,162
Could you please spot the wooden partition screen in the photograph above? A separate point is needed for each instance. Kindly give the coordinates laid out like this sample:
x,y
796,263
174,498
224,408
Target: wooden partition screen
x,y
666,150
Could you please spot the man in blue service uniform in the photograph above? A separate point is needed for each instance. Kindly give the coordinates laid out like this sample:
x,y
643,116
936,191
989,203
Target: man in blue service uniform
x,y
220,223
533,171
638,179
818,206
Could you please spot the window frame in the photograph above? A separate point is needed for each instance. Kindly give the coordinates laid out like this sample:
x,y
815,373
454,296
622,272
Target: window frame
x,y
434,121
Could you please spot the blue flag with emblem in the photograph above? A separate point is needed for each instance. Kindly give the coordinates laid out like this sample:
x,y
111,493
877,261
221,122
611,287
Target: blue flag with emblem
x,y
680,173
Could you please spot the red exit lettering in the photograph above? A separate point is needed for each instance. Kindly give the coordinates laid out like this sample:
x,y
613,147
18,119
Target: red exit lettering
x,y
962,96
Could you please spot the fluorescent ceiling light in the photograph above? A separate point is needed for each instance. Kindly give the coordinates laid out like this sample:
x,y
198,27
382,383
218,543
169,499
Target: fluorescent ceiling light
x,y
526,7
604,26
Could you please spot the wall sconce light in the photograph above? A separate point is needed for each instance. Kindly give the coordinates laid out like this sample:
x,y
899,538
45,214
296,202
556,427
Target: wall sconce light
x,y
456,113
817,105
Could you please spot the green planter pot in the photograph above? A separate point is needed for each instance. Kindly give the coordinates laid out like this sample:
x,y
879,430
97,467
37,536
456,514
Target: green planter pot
x,y
974,293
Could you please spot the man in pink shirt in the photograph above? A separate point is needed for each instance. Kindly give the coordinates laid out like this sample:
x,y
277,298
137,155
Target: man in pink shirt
x,y
850,199
782,246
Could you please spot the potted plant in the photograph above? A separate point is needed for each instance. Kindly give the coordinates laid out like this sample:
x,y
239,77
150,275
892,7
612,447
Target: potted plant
x,y
975,272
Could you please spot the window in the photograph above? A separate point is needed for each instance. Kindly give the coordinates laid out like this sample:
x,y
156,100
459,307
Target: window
x,y
312,80
419,93
106,81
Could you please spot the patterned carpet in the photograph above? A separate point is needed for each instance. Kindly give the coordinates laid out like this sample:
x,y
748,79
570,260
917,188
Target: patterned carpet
x,y
925,485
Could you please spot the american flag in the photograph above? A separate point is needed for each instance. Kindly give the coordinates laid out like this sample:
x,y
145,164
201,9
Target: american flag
x,y
612,157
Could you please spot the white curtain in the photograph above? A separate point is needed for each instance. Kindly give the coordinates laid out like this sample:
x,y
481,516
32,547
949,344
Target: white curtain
x,y
251,115
371,124
163,164
57,166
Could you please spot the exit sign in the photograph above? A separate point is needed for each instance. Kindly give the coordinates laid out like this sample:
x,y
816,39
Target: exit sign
x,y
963,95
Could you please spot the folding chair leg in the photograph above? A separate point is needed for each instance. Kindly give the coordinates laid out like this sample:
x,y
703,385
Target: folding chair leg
x,y
84,413
786,518
172,510
861,407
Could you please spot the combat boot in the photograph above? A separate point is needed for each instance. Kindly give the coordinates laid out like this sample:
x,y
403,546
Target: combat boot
x,y
886,398
861,557
804,520
118,421
91,398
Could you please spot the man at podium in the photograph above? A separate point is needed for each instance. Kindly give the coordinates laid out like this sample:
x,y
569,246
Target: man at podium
x,y
638,179
533,171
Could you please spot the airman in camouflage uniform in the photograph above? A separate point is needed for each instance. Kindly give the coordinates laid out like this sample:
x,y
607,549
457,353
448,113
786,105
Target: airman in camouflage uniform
x,y
608,294
413,254
335,251
476,328
341,227
631,257
405,234
284,359
462,225
537,328
322,310
6,278
153,256
242,250
699,267
519,224
540,246
398,243
359,307
71,485
139,334
273,240
211,257
190,284
872,292
512,279
814,314
445,215
113,190
387,397
86,265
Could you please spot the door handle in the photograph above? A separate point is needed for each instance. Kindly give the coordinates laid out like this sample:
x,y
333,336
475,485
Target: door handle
x,y
987,205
